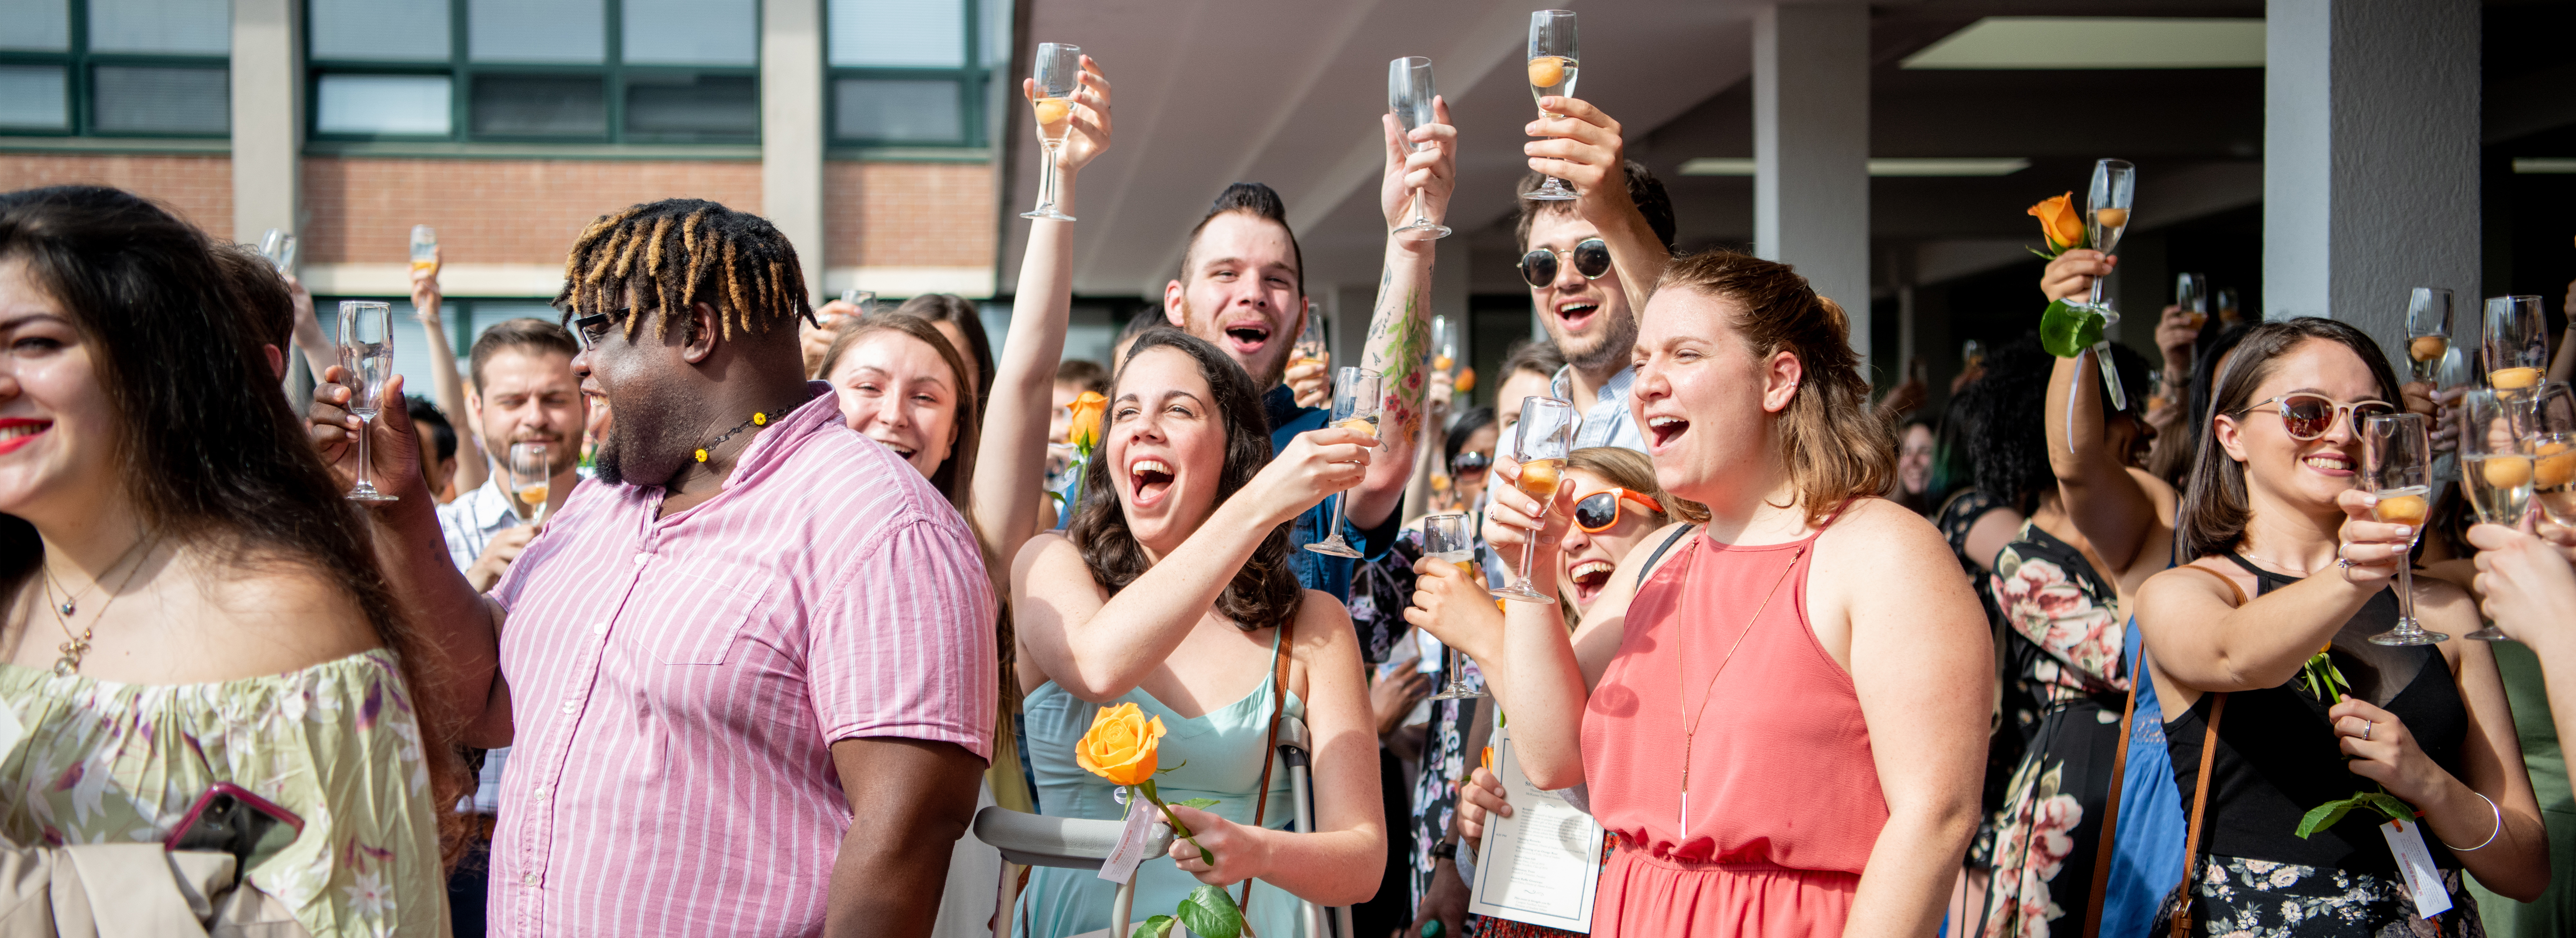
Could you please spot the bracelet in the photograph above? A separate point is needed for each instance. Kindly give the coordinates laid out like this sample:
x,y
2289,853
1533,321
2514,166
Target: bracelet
x,y
2491,835
1449,851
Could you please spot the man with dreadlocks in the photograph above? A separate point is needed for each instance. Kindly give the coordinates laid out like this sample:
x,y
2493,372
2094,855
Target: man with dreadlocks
x,y
751,628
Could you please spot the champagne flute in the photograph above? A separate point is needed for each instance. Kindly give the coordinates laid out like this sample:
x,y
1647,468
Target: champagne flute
x,y
2396,464
2428,331
1452,539
2517,347
278,248
2496,455
1553,62
1408,93
2191,292
367,353
2553,451
1444,345
2114,183
1541,443
1311,343
531,476
1058,76
2228,314
1354,408
424,248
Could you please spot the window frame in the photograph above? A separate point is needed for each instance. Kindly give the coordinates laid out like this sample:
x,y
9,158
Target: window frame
x,y
974,81
80,107
461,70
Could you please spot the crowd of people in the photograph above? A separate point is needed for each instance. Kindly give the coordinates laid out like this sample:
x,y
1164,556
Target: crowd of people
x,y
798,591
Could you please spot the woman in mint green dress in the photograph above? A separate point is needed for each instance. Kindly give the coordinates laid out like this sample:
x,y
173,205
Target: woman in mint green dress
x,y
1167,592
192,602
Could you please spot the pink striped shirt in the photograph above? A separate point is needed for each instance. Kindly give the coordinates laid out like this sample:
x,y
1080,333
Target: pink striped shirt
x,y
676,684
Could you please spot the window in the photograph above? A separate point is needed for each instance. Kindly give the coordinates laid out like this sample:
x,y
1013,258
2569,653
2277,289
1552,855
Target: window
x,y
574,71
131,68
914,72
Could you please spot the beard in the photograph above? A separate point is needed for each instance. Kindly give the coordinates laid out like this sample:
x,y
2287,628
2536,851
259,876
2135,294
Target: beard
x,y
1265,374
1613,343
640,448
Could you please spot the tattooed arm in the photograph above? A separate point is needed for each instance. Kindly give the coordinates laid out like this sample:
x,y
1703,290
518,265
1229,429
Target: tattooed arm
x,y
1400,325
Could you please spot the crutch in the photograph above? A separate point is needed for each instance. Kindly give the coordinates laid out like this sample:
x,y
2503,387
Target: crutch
x,y
1296,750
1072,843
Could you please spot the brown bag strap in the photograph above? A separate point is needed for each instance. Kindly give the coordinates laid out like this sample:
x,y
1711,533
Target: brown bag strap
x,y
2111,804
1270,748
2232,588
2199,805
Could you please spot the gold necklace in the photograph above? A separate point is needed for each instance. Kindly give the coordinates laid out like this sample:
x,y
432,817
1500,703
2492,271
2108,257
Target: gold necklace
x,y
76,647
1691,719
71,603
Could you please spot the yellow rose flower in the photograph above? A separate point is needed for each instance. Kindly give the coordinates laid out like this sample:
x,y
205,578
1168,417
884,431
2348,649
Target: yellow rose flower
x,y
1120,745
2058,222
1084,430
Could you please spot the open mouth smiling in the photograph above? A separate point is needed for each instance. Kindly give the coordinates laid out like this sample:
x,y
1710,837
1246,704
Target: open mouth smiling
x,y
1576,314
1149,479
1663,431
1590,577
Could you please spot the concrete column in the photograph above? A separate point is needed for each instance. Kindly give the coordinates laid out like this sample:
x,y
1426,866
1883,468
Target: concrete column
x,y
1811,150
791,129
267,116
2370,166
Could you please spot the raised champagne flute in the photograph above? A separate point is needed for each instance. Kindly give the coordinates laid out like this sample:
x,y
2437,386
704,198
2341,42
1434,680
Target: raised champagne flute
x,y
864,300
2517,346
1058,75
1452,539
1355,409
2115,183
1408,93
424,248
2191,292
2496,455
1553,65
531,476
2396,462
278,248
1444,345
1311,343
367,354
2428,331
1541,442
2553,451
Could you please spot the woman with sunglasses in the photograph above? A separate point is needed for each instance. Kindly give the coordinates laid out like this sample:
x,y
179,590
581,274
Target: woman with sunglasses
x,y
1617,505
2287,564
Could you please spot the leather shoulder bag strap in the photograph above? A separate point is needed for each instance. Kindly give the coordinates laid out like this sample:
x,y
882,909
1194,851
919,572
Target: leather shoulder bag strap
x,y
1270,747
2111,803
2200,789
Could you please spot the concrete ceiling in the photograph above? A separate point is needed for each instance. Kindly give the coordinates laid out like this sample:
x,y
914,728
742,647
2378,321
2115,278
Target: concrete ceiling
x,y
1290,95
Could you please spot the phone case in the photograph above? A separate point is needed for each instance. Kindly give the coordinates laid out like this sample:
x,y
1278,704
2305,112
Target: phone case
x,y
196,812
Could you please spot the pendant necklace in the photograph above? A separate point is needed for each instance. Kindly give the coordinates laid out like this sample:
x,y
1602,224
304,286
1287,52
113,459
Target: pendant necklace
x,y
1691,719
76,647
759,418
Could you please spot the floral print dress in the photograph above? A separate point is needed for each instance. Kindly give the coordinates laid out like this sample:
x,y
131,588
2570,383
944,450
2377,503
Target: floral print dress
x,y
337,743
2063,642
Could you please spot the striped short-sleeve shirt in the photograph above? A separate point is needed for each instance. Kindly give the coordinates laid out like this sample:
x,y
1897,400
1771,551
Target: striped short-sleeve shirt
x,y
676,683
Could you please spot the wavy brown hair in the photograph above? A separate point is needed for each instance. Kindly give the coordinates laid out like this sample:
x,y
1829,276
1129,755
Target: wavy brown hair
x,y
1835,446
1264,591
212,456
1631,470
2214,510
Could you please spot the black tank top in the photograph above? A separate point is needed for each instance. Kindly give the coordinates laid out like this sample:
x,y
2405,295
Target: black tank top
x,y
2278,756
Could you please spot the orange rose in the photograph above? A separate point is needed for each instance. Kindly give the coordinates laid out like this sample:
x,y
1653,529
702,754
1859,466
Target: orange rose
x,y
2059,223
1120,745
1084,430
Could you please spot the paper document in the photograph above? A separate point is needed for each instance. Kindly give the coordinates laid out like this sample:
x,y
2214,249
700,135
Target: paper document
x,y
1542,865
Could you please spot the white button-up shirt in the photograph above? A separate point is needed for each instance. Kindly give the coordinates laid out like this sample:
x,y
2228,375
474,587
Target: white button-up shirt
x,y
1608,422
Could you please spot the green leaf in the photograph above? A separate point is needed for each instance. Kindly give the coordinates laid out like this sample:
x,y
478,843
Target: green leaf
x,y
1199,803
2067,330
2388,806
2325,815
1155,927
1210,912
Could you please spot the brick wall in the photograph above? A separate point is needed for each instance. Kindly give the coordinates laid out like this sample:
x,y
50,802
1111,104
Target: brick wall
x,y
908,214
493,211
198,188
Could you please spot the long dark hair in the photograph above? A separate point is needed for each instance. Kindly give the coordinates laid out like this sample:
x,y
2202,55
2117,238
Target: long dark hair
x,y
212,456
2005,423
1264,591
2214,508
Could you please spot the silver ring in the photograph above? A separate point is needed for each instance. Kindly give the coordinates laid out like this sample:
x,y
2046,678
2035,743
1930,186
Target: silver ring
x,y
2344,562
2365,730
